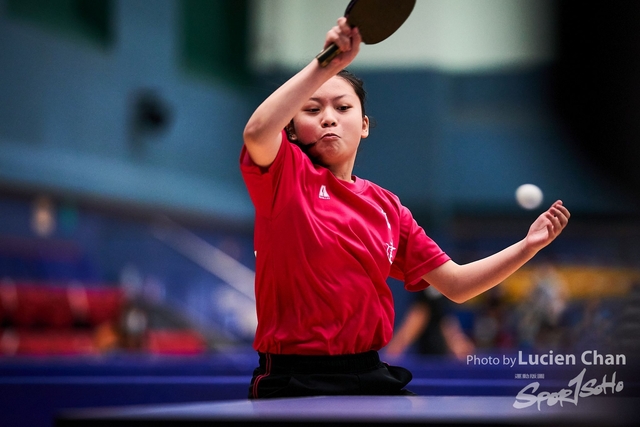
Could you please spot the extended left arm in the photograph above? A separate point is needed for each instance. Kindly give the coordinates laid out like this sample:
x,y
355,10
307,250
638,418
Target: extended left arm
x,y
460,283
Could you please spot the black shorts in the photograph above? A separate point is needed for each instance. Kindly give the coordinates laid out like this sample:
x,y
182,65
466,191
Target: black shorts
x,y
355,374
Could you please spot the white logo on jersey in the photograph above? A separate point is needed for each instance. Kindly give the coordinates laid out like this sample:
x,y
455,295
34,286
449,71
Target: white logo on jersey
x,y
390,249
386,219
323,193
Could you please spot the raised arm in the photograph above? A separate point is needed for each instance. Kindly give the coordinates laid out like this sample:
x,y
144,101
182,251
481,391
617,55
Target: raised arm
x,y
262,131
460,283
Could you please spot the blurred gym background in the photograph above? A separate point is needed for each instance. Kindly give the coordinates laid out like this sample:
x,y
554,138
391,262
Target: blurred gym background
x,y
126,258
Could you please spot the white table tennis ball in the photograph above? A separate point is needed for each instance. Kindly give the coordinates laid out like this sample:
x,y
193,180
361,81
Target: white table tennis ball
x,y
529,196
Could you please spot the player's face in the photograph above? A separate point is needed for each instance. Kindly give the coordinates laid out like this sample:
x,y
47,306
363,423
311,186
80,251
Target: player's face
x,y
331,123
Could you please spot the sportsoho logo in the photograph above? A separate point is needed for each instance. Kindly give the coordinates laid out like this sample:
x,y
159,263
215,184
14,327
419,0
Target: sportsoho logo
x,y
577,388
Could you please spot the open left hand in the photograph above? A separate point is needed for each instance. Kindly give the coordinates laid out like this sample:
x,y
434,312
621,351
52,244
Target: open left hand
x,y
548,226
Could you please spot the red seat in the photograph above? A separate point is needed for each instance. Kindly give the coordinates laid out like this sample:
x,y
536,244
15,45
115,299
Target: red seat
x,y
50,343
58,312
31,306
104,304
169,341
41,306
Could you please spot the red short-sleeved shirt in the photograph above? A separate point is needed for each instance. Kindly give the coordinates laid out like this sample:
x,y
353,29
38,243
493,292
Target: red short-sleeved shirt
x,y
324,250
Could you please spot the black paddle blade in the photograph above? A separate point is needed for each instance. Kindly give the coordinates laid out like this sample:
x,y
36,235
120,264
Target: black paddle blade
x,y
376,20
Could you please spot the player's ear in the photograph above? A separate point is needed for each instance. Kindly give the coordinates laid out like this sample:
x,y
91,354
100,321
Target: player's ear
x,y
291,131
365,127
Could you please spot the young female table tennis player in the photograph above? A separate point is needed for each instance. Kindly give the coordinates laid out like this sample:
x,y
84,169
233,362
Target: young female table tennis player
x,y
326,241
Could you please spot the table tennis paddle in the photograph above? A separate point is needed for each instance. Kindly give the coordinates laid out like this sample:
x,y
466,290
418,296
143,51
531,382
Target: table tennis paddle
x,y
376,20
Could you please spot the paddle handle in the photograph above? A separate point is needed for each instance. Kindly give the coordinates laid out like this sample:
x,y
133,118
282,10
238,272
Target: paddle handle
x,y
327,55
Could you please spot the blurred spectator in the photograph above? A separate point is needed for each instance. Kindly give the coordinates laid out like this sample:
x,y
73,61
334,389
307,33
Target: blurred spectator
x,y
492,327
540,313
133,328
432,327
627,328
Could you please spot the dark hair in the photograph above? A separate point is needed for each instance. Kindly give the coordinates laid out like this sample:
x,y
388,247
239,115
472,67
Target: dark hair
x,y
357,84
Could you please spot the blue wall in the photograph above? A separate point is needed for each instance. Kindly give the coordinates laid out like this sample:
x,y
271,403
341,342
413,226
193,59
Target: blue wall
x,y
65,119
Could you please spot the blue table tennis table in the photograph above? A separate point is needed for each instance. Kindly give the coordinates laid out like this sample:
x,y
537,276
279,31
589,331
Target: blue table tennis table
x,y
364,410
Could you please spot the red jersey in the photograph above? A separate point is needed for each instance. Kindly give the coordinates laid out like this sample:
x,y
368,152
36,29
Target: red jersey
x,y
324,250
